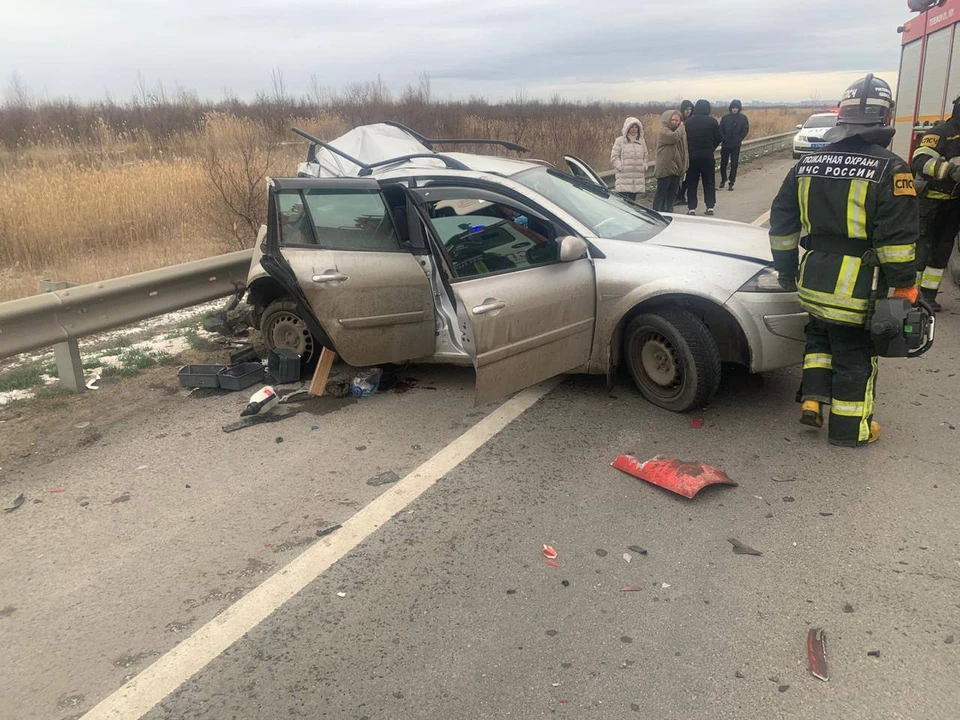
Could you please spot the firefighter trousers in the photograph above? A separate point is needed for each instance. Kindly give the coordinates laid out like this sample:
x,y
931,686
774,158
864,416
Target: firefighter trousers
x,y
840,368
939,224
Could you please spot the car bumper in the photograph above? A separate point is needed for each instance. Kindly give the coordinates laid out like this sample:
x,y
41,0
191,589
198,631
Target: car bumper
x,y
801,148
773,324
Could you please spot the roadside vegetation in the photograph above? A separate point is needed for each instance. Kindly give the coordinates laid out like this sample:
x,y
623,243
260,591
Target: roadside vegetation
x,y
93,191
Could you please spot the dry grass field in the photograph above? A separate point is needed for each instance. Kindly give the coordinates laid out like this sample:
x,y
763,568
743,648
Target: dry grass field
x,y
98,191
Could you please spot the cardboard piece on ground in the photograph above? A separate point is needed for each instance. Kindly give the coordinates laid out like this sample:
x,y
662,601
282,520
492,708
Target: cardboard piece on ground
x,y
320,375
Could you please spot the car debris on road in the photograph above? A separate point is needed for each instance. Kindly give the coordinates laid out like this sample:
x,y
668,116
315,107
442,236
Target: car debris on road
x,y
817,652
678,476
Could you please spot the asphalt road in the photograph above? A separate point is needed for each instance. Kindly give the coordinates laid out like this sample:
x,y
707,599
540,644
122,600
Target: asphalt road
x,y
154,523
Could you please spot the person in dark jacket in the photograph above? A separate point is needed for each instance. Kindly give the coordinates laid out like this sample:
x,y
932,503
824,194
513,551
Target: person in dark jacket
x,y
855,205
734,127
936,168
686,110
703,137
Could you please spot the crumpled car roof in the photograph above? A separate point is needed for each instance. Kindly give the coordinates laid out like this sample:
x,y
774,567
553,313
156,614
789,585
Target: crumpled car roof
x,y
367,143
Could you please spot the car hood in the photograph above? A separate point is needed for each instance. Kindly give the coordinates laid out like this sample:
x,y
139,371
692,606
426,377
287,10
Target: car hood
x,y
718,237
814,132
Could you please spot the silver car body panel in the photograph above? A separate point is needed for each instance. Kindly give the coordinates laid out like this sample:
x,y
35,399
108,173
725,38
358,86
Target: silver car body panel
x,y
705,259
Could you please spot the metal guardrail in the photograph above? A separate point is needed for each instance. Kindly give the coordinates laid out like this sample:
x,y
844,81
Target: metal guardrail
x,y
60,317
63,316
750,150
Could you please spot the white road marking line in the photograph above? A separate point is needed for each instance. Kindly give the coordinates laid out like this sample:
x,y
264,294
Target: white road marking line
x,y
762,219
151,686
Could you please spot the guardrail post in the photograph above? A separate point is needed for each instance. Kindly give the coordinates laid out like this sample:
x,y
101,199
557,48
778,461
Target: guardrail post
x,y
67,354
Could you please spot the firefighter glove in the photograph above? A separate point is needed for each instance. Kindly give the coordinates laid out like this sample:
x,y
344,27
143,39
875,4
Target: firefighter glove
x,y
908,293
954,169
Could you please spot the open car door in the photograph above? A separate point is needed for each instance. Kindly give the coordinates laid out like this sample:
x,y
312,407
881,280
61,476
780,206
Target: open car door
x,y
524,288
578,168
333,245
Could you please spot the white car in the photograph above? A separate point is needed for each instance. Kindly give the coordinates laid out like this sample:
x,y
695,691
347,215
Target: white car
x,y
387,251
810,138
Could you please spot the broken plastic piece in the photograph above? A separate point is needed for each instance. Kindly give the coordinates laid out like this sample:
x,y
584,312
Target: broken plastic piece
x,y
817,650
637,549
630,588
553,563
696,423
256,420
627,557
549,552
873,653
17,502
740,549
679,476
327,531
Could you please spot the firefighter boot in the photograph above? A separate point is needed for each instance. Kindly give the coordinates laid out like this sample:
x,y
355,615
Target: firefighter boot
x,y
811,414
931,297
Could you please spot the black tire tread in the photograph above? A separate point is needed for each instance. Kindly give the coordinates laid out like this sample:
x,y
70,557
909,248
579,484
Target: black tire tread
x,y
702,347
287,305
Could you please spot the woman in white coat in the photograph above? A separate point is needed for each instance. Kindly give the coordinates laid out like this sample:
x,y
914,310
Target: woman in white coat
x,y
629,159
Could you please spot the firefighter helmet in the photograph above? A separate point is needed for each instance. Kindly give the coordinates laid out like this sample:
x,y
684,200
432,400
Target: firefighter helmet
x,y
869,101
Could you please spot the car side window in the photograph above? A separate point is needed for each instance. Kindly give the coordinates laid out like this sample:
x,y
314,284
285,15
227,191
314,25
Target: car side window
x,y
482,236
337,219
294,223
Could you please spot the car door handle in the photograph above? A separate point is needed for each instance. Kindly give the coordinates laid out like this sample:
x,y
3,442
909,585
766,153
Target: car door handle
x,y
488,307
329,277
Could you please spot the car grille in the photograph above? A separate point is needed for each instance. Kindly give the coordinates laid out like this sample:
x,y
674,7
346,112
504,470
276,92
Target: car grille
x,y
811,139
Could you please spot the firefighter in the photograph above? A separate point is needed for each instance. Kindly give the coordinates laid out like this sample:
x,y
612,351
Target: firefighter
x,y
936,169
856,206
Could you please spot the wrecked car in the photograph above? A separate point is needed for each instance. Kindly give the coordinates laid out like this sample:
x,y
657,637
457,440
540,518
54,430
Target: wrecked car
x,y
386,250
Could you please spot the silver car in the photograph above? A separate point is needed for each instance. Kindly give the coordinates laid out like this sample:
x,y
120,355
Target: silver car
x,y
387,251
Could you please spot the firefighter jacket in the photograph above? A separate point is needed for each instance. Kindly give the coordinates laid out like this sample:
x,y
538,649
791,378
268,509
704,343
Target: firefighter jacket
x,y
935,148
847,200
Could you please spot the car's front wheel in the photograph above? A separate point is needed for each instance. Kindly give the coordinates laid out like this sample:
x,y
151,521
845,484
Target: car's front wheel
x,y
282,327
796,155
673,359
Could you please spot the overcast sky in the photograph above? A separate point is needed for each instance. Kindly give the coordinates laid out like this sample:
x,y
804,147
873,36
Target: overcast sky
x,y
633,51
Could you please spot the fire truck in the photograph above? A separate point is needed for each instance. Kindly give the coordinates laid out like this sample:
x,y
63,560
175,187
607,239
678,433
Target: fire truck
x,y
929,70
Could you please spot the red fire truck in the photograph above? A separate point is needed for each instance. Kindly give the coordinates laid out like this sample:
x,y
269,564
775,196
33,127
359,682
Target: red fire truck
x,y
929,70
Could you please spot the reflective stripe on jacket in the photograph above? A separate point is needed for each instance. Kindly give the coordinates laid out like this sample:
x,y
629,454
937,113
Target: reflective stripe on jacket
x,y
849,199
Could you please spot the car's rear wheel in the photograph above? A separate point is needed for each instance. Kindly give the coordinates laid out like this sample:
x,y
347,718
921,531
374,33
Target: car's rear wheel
x,y
673,359
282,327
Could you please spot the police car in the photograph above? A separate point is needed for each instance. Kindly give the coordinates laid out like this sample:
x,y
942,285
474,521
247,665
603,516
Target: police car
x,y
810,137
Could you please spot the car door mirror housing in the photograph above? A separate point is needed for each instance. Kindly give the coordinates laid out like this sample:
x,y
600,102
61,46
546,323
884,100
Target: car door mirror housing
x,y
571,248
799,127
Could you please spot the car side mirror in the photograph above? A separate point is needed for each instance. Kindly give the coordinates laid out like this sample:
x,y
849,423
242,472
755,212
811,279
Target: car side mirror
x,y
572,248
799,127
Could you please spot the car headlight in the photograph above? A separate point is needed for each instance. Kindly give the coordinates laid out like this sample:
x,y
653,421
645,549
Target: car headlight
x,y
764,281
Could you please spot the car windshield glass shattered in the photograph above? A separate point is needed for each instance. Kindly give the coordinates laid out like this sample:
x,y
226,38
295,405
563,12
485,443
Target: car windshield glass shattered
x,y
604,213
821,121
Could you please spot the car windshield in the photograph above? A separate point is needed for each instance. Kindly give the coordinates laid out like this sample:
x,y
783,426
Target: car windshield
x,y
606,214
821,121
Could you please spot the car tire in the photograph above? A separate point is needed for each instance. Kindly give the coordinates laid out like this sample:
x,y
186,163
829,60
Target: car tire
x,y
281,326
796,155
673,359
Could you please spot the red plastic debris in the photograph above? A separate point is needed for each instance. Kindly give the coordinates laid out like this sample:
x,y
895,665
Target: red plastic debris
x,y
56,490
549,552
564,701
553,563
817,652
679,476
630,588
696,423
268,544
